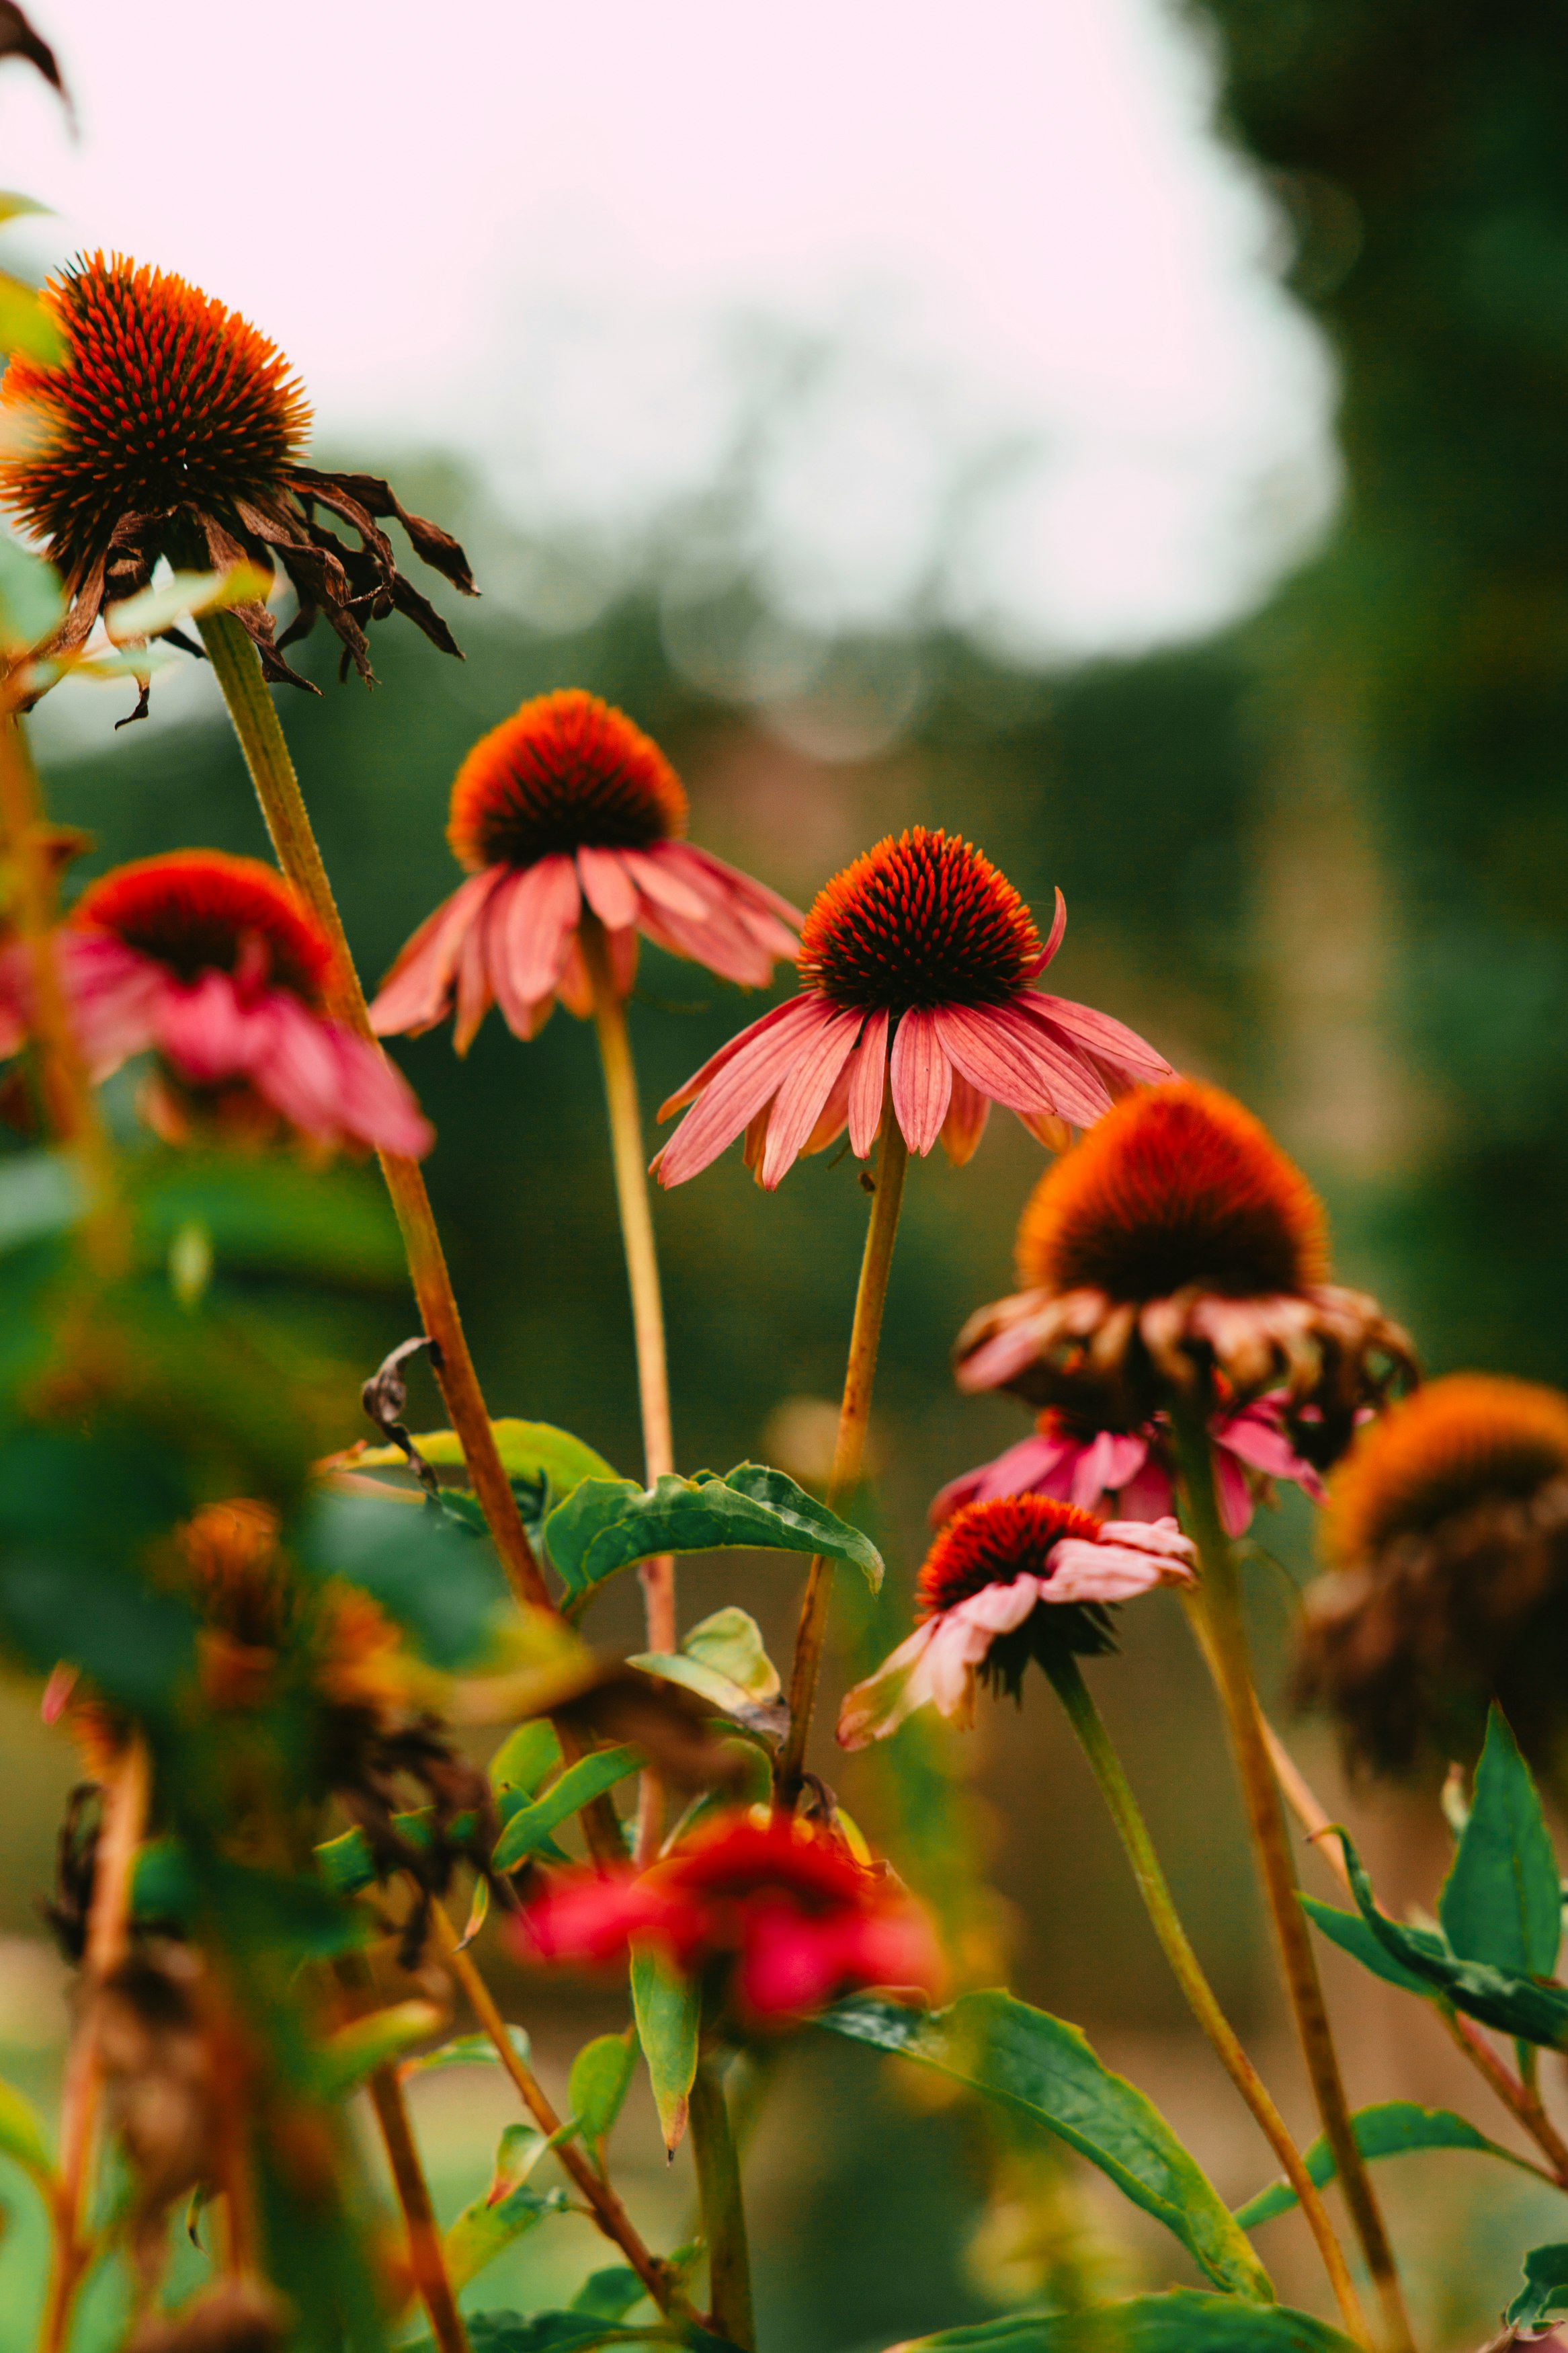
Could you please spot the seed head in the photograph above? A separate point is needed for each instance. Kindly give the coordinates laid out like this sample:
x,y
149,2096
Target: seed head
x,y
564,772
995,1544
195,909
1465,1440
924,920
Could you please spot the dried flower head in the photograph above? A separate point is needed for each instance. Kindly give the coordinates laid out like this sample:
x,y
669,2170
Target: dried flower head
x,y
916,962
1013,1578
566,813
173,428
1176,1248
1447,1535
216,965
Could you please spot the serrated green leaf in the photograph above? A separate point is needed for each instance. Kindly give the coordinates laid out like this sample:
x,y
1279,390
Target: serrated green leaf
x,y
668,2007
529,1829
1045,2068
469,2051
1185,2320
600,2079
731,1641
484,2230
1502,1899
526,1756
354,2052
1544,2298
1514,2005
608,1523
22,2135
1350,1931
1392,2128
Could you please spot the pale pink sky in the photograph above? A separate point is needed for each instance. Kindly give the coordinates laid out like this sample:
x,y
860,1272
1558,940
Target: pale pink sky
x,y
519,229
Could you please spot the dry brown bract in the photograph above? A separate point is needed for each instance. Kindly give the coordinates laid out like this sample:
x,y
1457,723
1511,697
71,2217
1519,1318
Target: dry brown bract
x,y
173,429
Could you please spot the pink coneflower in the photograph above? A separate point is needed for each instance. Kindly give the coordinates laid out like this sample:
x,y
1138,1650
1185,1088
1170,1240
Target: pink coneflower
x,y
1005,1581
565,808
1130,1471
922,947
778,1916
214,963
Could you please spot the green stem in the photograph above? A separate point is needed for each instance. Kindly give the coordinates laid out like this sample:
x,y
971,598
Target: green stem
x,y
723,2214
1216,1610
249,703
642,1259
854,1413
1134,1831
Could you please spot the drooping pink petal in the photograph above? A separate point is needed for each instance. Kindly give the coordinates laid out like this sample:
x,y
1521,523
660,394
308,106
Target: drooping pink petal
x,y
803,1095
474,992
293,1064
710,1068
418,991
1082,1570
1001,1054
376,1105
622,948
922,1078
1063,1072
715,940
1257,1435
659,878
747,893
879,1704
608,888
1054,938
204,1031
574,987
1109,1460
1232,1493
540,917
1038,1465
759,1061
1108,1041
522,1014
868,1085
831,1119
1147,1495
114,992
593,1920
967,1113
789,1963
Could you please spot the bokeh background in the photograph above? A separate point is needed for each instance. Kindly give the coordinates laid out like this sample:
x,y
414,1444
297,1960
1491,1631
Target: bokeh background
x,y
1136,438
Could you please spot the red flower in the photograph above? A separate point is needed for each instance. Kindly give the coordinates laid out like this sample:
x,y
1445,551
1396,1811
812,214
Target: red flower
x,y
916,962
1004,1581
567,805
781,1910
214,963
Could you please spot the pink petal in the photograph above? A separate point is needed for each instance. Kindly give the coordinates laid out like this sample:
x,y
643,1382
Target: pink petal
x,y
1106,1465
1054,938
474,992
761,1059
803,1095
608,888
1257,1435
1147,1496
540,917
835,1112
710,1068
418,991
206,1033
376,1105
1162,1536
717,942
745,891
967,1113
868,1085
1232,1493
1065,1075
1036,1466
1086,1570
297,1067
1113,1039
998,1608
879,1704
1009,1062
659,878
789,1963
922,1080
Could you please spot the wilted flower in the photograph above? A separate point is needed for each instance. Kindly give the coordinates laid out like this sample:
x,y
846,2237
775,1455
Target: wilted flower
x,y
1447,1537
779,1915
917,962
1015,1578
173,428
1176,1247
563,808
1128,1471
214,964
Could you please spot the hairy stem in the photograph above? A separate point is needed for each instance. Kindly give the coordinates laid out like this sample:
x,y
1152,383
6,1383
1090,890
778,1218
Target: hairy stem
x,y
256,722
1134,1831
854,1413
1216,1607
124,1818
609,2212
723,2214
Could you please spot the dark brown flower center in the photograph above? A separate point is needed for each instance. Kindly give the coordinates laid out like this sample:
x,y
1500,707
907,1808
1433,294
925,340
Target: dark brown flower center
x,y
924,920
566,772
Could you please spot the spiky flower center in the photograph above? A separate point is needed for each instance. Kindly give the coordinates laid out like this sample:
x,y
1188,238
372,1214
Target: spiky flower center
x,y
165,399
1463,1440
565,772
1176,1184
920,921
995,1543
199,910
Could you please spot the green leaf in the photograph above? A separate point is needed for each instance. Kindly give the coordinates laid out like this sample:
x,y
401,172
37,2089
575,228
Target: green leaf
x,y
22,2135
1393,2128
152,610
529,1450
1514,2005
528,1829
470,2051
486,2229
716,1689
271,1216
1544,2298
26,325
668,2007
438,1581
1045,2068
1350,1931
572,2332
40,1192
609,2294
600,2079
1502,1902
356,2051
163,1885
1185,2320
608,1523
731,1643
526,1756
